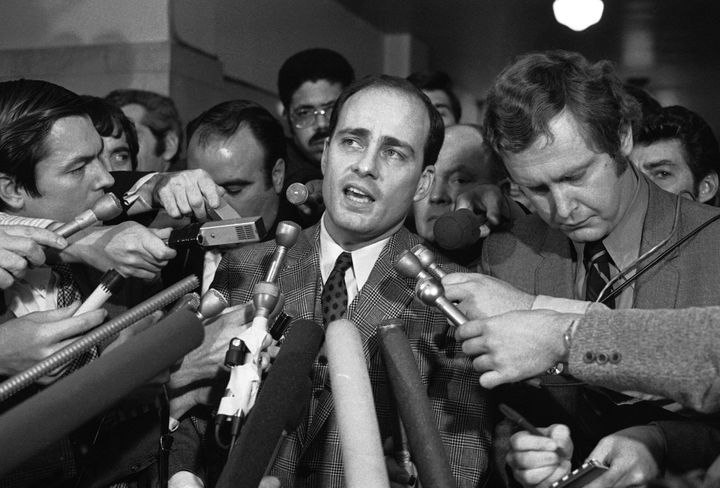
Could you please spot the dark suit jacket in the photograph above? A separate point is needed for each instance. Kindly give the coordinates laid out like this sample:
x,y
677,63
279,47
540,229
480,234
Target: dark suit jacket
x,y
540,260
310,456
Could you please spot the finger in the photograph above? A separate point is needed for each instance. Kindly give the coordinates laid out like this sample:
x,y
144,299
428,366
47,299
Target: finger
x,y
133,272
305,209
74,326
163,233
534,460
470,329
492,208
490,379
210,192
20,249
464,200
181,200
456,278
195,199
13,263
42,236
525,441
269,482
168,202
6,279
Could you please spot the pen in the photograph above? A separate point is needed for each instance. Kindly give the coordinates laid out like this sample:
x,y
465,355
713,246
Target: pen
x,y
523,423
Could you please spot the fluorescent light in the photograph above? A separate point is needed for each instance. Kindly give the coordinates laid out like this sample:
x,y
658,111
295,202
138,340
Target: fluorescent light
x,y
578,14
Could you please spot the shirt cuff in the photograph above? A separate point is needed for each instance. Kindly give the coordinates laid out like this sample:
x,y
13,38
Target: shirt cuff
x,y
562,305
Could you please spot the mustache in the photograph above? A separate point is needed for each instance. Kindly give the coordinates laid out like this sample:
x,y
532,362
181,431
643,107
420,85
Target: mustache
x,y
320,136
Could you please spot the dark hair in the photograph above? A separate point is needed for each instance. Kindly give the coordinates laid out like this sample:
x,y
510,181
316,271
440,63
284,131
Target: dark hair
x,y
28,111
536,87
437,80
223,121
436,134
312,65
695,135
161,115
110,121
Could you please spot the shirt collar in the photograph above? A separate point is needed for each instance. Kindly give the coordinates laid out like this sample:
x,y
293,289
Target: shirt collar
x,y
623,243
363,259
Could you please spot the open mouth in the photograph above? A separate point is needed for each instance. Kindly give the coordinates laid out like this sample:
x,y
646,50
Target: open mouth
x,y
358,195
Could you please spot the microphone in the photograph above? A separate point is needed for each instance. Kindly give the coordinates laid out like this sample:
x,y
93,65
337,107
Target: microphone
x,y
39,421
110,283
286,235
427,260
414,407
234,232
432,293
21,380
458,229
106,207
243,357
362,451
297,194
409,265
280,406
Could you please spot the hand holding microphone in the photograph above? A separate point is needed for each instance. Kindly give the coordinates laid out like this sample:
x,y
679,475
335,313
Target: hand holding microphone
x,y
105,208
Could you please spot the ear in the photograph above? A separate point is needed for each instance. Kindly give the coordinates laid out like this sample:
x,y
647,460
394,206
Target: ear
x,y
425,184
626,140
12,196
323,159
278,175
708,187
280,109
172,145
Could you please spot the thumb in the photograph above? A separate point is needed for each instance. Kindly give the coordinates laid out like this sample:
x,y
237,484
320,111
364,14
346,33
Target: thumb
x,y
162,233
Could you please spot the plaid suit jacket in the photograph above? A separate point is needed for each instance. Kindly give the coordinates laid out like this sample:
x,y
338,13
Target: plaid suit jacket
x,y
311,455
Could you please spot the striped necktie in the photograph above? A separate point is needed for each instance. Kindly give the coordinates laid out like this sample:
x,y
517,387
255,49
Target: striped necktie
x,y
597,265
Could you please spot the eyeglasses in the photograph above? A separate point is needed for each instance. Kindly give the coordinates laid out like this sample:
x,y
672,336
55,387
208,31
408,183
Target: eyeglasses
x,y
305,117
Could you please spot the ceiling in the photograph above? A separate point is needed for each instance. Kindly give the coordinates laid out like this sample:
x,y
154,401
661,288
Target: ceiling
x,y
670,45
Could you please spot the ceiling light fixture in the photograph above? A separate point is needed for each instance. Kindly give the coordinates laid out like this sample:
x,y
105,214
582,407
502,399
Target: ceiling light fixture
x,y
578,14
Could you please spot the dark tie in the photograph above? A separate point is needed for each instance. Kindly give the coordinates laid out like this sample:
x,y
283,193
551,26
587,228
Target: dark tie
x,y
67,294
334,295
597,264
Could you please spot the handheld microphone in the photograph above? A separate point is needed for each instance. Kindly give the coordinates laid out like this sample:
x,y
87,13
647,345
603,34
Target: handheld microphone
x,y
235,232
110,283
106,207
286,236
245,368
427,260
297,194
409,265
432,293
414,407
21,380
362,452
458,229
39,421
280,406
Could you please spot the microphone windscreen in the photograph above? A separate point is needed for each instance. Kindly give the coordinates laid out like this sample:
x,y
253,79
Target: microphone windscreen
x,y
458,229
281,401
70,402
428,451
362,453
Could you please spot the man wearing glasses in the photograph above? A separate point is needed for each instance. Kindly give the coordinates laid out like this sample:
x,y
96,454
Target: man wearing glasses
x,y
309,82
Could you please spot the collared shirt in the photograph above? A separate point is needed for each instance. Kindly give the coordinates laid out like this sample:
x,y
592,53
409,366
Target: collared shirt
x,y
623,244
363,261
35,292
211,261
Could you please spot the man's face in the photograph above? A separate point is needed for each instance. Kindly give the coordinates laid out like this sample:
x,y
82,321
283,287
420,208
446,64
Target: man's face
x,y
71,177
237,164
571,187
460,166
665,164
442,103
372,166
148,160
116,154
312,95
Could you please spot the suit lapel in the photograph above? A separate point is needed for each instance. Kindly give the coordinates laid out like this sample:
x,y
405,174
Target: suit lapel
x,y
658,287
555,275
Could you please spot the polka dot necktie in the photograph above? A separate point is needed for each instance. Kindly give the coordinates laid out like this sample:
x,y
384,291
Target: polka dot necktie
x,y
334,295
597,264
67,294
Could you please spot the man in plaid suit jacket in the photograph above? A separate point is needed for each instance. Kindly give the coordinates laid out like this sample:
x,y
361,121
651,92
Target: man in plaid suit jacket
x,y
384,136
